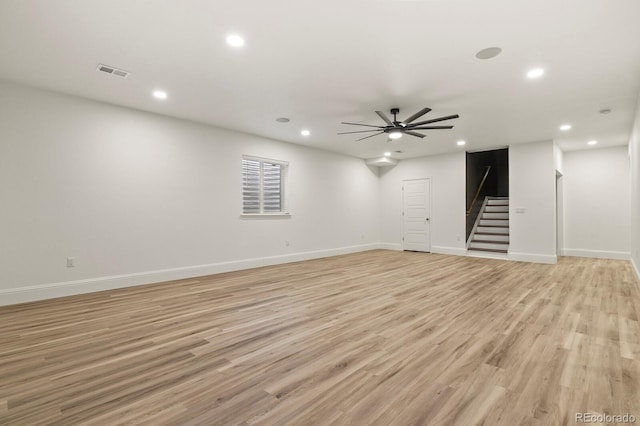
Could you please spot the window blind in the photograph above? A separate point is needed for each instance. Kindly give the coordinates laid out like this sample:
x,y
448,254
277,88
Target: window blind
x,y
262,186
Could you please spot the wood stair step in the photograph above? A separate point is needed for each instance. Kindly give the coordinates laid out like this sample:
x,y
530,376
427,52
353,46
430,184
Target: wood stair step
x,y
489,250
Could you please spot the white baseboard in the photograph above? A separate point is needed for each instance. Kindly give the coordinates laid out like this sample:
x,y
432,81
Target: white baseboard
x,y
487,255
434,249
49,291
390,246
599,254
533,258
456,251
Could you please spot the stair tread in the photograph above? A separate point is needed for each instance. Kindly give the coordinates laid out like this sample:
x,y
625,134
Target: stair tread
x,y
488,249
491,233
493,226
490,241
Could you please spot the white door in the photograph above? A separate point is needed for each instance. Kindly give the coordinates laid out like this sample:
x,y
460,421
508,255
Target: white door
x,y
416,234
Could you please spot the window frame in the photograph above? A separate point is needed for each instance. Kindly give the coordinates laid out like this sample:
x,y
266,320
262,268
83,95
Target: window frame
x,y
284,212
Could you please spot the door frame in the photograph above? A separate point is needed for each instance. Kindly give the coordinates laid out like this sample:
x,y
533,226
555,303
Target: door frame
x,y
402,210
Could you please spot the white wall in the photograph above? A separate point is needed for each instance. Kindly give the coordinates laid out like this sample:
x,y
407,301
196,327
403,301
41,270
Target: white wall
x,y
137,197
596,203
532,183
447,174
634,155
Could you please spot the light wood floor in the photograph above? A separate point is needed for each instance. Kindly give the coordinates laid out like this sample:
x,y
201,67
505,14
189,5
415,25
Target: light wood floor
x,y
378,337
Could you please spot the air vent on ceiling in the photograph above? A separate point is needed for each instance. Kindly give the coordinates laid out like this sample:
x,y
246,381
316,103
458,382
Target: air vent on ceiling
x,y
113,71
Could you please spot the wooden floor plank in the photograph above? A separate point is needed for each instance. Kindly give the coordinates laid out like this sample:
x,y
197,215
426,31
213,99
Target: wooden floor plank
x,y
378,337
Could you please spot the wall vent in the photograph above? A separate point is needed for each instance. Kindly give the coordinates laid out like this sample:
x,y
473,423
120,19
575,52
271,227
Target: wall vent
x,y
113,70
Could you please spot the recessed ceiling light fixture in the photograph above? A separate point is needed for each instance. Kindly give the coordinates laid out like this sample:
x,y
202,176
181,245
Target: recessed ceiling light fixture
x,y
461,143
488,53
160,94
235,40
535,73
592,142
283,120
305,132
387,154
395,135
565,127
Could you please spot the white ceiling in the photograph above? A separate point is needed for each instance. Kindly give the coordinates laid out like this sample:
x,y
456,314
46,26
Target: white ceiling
x,y
326,61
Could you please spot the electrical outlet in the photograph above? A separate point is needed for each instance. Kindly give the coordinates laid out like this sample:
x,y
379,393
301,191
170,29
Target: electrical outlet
x,y
286,243
71,262
458,237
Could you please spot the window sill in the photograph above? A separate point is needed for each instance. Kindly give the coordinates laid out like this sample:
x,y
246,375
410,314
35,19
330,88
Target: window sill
x,y
265,215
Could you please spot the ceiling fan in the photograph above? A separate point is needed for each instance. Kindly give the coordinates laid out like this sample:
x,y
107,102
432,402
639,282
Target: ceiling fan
x,y
395,129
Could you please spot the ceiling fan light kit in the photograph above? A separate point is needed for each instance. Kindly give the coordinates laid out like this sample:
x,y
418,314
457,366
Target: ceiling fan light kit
x,y
395,129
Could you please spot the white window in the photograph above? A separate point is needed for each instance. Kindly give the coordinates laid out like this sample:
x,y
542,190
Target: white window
x,y
263,186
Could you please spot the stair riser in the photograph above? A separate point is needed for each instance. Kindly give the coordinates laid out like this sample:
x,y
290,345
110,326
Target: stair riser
x,y
498,203
492,215
497,209
493,237
484,222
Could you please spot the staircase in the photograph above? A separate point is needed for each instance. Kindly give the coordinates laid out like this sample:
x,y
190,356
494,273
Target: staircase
x,y
491,232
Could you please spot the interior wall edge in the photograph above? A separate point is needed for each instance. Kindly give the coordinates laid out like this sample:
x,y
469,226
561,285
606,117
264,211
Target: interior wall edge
x,y
637,271
34,293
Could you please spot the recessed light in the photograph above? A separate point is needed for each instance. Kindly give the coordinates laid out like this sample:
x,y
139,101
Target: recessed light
x,y
283,120
235,40
305,132
488,53
395,135
535,73
387,154
592,142
461,143
160,94
565,127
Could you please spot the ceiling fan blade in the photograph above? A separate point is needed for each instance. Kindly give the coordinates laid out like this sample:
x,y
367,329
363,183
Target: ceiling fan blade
x,y
431,127
370,136
358,131
417,115
416,134
366,125
384,117
435,120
